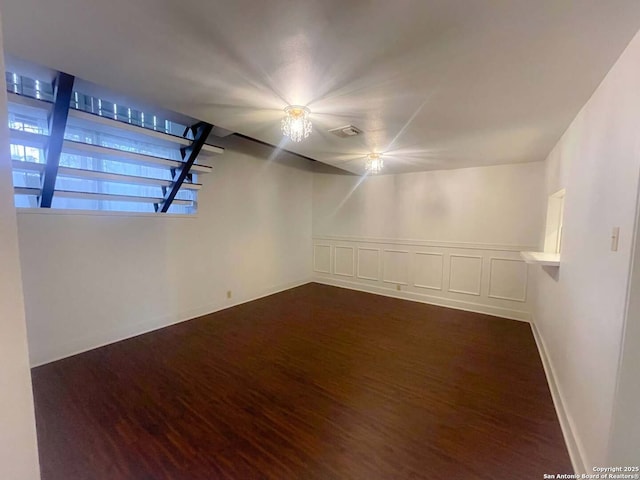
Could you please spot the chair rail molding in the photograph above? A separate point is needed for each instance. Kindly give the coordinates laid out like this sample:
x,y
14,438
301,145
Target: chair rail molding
x,y
426,243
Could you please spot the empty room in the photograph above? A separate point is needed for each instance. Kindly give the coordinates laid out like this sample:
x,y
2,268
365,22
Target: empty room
x,y
283,240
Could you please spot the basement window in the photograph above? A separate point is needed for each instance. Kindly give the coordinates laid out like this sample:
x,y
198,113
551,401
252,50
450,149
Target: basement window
x,y
114,158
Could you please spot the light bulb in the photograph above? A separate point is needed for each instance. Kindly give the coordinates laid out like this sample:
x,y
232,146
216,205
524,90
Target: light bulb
x,y
374,163
296,124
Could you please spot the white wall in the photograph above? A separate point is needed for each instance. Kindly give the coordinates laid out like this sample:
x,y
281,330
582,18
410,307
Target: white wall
x,y
91,280
624,446
497,205
579,310
18,448
449,237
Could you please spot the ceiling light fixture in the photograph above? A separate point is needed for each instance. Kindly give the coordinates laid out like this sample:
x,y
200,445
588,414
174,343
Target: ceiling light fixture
x,y
296,124
374,163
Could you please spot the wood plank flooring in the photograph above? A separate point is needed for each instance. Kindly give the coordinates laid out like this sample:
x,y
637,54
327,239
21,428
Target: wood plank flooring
x,y
316,382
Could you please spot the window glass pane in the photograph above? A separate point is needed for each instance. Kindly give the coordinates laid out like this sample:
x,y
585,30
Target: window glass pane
x,y
27,122
33,119
124,113
182,209
26,201
112,166
101,186
114,206
26,179
29,87
86,135
186,195
27,154
13,82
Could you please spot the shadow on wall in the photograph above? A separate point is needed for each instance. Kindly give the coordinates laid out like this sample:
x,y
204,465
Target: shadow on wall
x,y
319,167
267,152
553,272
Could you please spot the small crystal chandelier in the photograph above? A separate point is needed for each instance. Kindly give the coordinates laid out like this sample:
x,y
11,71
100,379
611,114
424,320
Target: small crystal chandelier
x,y
296,124
374,163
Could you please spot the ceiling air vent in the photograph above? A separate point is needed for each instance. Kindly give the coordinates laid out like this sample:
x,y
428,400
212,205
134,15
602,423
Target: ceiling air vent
x,y
346,131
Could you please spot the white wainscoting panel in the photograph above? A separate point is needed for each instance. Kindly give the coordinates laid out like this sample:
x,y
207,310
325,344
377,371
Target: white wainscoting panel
x,y
396,267
482,278
428,270
508,279
343,261
368,264
465,274
322,258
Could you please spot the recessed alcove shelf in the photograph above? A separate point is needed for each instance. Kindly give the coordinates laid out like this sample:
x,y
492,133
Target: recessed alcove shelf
x,y
541,258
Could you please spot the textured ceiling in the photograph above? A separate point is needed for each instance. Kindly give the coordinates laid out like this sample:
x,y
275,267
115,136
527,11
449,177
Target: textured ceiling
x,y
432,83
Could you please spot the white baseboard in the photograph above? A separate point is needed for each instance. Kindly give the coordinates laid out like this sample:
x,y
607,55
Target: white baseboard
x,y
574,446
97,339
429,299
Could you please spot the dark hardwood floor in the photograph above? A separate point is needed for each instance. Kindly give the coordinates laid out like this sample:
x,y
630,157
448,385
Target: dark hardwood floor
x,y
313,383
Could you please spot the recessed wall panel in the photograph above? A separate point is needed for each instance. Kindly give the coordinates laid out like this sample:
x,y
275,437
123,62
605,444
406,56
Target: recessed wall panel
x,y
396,266
322,258
343,261
427,270
465,274
368,263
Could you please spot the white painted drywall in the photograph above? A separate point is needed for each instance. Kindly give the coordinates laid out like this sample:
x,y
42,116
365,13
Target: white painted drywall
x,y
91,280
449,237
624,446
498,205
18,446
579,309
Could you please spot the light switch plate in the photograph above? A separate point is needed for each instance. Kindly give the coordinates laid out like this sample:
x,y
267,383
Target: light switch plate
x,y
615,236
